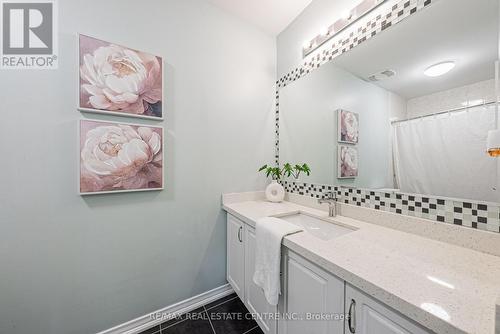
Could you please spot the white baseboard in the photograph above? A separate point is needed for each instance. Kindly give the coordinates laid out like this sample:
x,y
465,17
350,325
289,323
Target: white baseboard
x,y
147,321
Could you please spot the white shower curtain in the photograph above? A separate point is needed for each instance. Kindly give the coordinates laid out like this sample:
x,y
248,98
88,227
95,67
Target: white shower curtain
x,y
446,155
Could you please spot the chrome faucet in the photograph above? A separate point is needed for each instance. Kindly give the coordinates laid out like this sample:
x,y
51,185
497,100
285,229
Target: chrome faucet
x,y
331,199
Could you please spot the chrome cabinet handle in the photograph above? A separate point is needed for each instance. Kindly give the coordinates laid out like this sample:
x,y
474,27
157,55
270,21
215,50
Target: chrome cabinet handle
x,y
239,233
352,317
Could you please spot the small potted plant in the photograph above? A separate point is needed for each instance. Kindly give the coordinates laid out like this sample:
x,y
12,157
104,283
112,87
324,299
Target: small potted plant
x,y
295,171
275,191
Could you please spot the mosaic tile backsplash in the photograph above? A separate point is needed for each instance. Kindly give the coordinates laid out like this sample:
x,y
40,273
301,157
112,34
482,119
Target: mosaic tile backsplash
x,y
471,214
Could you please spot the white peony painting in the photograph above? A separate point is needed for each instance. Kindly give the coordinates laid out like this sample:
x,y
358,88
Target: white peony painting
x,y
117,157
348,127
118,80
347,162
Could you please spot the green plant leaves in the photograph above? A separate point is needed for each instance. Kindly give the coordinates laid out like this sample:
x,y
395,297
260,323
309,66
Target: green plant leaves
x,y
276,172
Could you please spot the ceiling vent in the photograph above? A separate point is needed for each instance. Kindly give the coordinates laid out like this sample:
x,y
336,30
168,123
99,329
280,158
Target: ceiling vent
x,y
381,76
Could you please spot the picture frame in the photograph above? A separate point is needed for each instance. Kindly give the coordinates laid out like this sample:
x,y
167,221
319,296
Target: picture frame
x,y
347,162
136,87
347,127
101,169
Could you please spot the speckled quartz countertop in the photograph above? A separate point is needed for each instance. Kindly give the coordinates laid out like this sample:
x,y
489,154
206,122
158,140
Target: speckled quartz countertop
x,y
444,288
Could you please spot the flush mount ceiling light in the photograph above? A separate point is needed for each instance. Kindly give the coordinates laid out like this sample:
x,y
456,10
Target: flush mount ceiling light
x,y
439,69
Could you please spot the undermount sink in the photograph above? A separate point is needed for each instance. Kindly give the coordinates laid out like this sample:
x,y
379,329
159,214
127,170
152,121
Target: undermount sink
x,y
317,227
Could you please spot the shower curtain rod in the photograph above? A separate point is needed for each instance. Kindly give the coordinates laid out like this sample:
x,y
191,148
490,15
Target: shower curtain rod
x,y
444,112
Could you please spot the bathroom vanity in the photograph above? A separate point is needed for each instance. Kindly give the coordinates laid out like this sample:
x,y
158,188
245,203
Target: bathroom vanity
x,y
393,119
385,280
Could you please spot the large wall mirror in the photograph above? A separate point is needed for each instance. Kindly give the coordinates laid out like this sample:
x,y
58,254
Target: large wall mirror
x,y
406,125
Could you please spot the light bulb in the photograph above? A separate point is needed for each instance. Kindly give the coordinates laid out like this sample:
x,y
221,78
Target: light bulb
x,y
473,102
346,15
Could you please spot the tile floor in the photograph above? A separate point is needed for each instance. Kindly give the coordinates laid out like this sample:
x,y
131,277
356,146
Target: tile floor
x,y
227,315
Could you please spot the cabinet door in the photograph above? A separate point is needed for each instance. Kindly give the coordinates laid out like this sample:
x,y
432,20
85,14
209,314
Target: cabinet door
x,y
235,255
370,316
255,300
313,299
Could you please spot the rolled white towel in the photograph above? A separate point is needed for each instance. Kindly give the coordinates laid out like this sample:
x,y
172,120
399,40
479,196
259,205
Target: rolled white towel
x,y
269,234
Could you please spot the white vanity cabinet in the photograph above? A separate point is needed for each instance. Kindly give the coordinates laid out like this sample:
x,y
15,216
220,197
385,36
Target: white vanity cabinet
x,y
312,295
313,301
236,255
369,316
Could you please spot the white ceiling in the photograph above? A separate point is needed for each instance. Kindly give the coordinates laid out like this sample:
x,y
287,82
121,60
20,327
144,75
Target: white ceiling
x,y
464,31
272,16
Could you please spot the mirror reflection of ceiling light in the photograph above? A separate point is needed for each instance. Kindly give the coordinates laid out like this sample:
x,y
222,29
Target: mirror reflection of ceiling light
x,y
436,310
441,282
439,69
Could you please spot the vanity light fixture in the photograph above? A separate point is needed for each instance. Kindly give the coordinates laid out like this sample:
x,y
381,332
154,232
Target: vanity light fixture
x,y
346,15
439,69
347,18
473,103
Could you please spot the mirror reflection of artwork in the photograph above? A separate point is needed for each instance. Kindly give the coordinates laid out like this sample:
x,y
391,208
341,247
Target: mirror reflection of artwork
x,y
348,123
118,80
347,162
118,157
420,112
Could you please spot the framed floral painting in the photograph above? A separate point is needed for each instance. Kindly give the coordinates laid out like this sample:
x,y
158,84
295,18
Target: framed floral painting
x,y
348,127
117,80
120,157
347,162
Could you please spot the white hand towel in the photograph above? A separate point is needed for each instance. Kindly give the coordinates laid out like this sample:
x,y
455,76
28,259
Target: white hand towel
x,y
269,233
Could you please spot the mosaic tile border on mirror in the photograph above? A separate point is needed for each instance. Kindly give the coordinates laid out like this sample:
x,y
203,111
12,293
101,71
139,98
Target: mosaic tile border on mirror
x,y
472,214
357,34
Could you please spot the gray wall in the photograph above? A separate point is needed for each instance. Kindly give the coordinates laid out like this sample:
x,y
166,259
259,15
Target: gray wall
x,y
320,14
72,264
308,126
